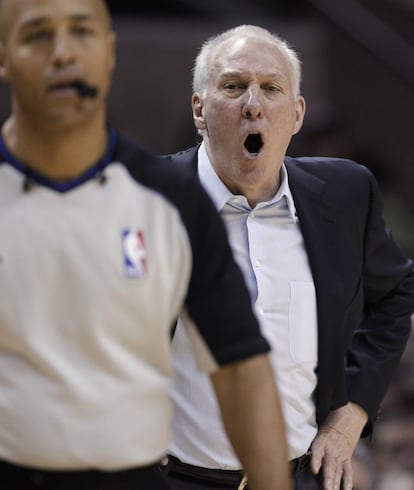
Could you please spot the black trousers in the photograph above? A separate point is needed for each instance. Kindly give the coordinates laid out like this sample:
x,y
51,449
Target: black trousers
x,y
303,479
15,477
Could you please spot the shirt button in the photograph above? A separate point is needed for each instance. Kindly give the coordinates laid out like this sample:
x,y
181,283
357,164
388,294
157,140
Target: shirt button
x,y
252,214
261,310
257,263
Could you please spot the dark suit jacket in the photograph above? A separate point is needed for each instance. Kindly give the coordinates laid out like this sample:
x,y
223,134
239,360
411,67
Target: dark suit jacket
x,y
364,284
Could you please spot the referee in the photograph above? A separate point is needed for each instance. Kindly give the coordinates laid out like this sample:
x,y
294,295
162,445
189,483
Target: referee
x,y
101,247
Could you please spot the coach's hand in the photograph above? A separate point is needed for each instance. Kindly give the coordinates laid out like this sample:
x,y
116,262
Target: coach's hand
x,y
334,445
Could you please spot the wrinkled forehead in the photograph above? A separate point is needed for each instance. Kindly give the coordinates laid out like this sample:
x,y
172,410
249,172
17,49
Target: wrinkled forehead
x,y
252,53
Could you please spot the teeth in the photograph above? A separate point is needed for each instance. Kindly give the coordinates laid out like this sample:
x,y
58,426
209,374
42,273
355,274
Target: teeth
x,y
253,143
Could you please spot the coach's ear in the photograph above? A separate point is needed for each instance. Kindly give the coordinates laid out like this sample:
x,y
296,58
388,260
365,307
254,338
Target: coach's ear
x,y
198,117
300,113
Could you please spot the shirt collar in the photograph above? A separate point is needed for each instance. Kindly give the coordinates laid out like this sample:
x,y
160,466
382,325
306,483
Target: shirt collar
x,y
220,194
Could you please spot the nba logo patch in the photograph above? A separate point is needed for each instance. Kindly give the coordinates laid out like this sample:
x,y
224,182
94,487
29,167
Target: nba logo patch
x,y
134,253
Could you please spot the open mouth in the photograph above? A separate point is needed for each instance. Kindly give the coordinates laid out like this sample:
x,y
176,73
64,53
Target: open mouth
x,y
253,143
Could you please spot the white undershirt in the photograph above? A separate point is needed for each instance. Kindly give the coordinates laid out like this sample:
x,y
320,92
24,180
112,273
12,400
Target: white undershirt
x,y
269,248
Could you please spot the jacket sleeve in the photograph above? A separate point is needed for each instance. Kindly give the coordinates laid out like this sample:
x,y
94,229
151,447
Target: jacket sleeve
x,y
388,294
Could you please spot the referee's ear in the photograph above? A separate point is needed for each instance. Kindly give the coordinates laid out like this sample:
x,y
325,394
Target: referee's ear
x,y
4,72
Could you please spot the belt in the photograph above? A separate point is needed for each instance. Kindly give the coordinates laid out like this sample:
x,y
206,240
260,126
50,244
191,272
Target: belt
x,y
225,478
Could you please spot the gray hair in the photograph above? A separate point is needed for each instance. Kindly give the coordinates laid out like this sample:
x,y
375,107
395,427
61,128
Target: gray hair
x,y
203,60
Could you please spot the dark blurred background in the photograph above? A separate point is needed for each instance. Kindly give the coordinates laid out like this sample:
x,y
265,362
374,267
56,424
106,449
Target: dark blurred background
x,y
358,80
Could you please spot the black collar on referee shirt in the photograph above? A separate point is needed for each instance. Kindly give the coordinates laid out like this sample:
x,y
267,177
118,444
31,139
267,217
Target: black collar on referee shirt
x,y
32,178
